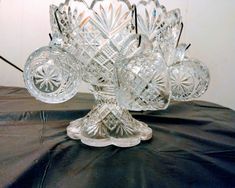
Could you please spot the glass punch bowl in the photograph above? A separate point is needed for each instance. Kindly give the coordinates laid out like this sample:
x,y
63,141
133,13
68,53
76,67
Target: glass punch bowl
x,y
128,52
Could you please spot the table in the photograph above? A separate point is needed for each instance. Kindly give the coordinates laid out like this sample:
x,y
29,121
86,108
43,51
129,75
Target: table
x,y
193,145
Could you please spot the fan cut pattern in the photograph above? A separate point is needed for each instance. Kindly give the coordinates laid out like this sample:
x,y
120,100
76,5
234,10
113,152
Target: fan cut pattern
x,y
130,55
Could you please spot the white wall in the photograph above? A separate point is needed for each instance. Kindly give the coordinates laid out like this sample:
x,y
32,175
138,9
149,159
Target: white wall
x,y
209,26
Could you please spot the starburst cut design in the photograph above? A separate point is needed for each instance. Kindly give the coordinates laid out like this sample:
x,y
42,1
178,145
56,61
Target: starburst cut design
x,y
109,125
182,83
47,79
97,130
127,52
124,130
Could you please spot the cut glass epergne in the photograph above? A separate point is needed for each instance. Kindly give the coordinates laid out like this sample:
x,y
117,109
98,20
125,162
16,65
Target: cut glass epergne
x,y
129,52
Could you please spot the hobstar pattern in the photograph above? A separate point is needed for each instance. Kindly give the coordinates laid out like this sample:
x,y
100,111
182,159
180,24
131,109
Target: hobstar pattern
x,y
51,75
128,53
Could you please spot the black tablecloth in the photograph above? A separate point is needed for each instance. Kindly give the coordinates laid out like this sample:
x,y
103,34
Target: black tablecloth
x,y
193,145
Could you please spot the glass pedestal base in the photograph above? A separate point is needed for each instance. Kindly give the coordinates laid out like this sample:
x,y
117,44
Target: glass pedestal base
x,y
108,124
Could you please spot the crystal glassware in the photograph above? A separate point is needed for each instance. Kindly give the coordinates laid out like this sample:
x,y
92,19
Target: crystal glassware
x,y
51,75
143,82
96,36
189,79
127,52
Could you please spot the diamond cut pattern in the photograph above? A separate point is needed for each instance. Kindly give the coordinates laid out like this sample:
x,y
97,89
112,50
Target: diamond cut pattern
x,y
142,81
96,35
